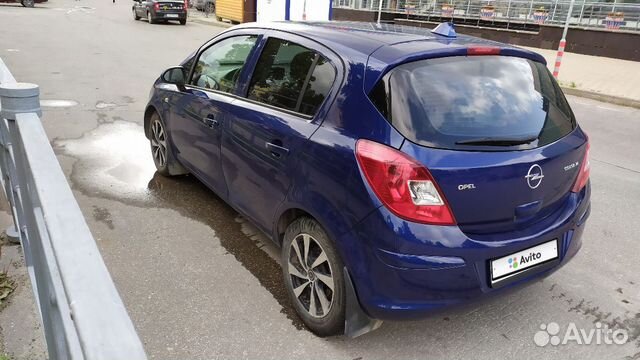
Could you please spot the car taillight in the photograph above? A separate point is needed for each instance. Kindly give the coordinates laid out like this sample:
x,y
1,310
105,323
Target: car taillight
x,y
402,184
186,4
156,6
585,170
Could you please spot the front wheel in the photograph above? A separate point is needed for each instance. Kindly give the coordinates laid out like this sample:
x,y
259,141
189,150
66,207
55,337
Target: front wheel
x,y
161,150
314,277
135,15
27,3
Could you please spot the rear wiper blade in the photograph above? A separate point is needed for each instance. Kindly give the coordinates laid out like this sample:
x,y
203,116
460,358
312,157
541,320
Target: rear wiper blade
x,y
490,141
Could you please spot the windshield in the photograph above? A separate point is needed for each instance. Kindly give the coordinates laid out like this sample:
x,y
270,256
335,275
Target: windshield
x,y
467,102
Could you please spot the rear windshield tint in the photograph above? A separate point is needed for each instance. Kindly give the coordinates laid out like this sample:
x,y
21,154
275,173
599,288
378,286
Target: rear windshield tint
x,y
451,102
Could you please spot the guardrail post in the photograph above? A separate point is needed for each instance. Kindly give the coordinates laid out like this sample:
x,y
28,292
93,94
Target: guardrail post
x,y
16,98
19,98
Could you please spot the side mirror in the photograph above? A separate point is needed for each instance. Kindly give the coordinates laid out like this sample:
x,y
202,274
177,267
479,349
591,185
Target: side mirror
x,y
175,75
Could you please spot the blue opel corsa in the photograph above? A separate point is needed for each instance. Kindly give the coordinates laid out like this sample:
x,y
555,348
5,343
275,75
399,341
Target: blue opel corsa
x,y
400,170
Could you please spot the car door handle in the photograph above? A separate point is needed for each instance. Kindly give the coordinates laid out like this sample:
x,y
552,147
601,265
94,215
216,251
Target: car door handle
x,y
277,151
211,121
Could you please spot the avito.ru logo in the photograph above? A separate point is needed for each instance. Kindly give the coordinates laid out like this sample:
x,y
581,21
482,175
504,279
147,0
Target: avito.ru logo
x,y
550,334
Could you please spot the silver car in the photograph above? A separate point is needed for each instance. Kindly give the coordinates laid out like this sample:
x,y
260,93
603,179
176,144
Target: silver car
x,y
206,5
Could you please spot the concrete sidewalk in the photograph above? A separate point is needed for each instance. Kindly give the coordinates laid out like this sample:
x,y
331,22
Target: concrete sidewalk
x,y
199,17
598,75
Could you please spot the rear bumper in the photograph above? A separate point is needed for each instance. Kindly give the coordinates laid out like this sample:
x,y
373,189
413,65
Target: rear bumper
x,y
404,270
169,15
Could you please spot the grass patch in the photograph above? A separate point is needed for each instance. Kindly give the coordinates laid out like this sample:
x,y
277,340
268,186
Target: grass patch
x,y
7,286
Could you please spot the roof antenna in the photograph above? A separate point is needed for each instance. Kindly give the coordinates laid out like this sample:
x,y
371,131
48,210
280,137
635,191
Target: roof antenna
x,y
446,29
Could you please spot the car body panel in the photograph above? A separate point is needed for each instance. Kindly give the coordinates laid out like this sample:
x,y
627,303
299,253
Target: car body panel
x,y
500,198
196,133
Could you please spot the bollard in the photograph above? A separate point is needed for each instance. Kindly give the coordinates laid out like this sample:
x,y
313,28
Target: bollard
x,y
18,98
563,40
556,69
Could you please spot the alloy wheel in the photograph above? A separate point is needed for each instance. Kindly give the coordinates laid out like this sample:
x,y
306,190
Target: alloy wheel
x,y
311,275
158,143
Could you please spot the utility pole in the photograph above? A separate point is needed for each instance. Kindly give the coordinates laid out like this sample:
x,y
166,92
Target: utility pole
x,y
563,41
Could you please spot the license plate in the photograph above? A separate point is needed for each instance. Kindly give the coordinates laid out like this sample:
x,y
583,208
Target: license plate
x,y
510,265
172,15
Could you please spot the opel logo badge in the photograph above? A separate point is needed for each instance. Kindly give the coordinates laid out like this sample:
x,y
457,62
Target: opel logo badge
x,y
534,176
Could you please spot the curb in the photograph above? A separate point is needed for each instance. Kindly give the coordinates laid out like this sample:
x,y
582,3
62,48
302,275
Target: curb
x,y
211,23
602,97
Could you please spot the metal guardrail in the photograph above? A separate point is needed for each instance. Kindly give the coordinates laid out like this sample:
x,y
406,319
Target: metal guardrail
x,y
616,15
82,314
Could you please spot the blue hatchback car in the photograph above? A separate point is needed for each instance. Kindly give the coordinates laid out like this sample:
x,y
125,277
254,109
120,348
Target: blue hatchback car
x,y
400,170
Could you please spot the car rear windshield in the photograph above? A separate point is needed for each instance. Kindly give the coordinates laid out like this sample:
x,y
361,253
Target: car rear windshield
x,y
475,103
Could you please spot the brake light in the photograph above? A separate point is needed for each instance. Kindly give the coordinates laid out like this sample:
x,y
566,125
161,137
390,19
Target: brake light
x,y
186,4
483,50
156,6
403,185
585,170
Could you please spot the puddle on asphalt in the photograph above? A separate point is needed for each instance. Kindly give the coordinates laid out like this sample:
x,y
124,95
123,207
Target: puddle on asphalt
x,y
114,162
58,103
105,105
250,247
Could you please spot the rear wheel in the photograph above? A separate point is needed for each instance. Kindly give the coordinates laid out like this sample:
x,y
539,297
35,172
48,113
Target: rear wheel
x,y
149,18
314,277
161,149
135,15
27,3
183,22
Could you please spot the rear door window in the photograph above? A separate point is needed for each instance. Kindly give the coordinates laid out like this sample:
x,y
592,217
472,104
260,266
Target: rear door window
x,y
455,102
291,77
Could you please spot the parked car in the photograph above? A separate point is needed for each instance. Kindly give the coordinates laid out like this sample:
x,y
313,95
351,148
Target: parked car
x,y
25,3
206,5
160,10
399,170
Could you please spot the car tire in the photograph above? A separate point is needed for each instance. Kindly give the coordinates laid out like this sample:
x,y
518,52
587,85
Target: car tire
x,y
314,277
149,18
27,3
135,15
183,22
211,9
161,148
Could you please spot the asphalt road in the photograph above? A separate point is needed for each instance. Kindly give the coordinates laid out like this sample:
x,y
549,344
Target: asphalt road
x,y
199,283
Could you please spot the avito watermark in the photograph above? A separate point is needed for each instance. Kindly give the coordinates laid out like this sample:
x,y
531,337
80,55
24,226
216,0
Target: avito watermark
x,y
600,335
